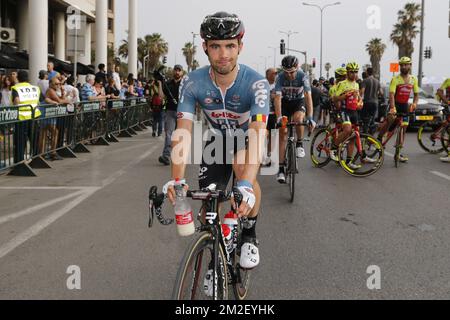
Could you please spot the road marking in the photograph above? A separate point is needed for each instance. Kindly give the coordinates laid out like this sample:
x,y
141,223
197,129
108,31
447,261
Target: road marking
x,y
85,194
43,188
389,154
42,224
439,174
41,206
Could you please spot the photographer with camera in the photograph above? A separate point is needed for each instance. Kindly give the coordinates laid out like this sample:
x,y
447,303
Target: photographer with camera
x,y
169,90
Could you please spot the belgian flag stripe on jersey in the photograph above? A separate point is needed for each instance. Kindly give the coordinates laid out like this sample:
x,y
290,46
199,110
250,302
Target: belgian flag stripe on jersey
x,y
260,118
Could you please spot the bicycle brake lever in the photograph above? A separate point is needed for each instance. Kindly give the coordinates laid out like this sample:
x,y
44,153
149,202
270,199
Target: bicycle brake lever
x,y
156,201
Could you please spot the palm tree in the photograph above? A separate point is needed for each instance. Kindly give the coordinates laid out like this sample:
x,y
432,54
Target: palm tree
x,y
189,52
406,29
375,48
156,47
153,45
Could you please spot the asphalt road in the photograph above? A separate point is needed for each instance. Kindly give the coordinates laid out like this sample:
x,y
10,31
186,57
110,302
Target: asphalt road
x,y
92,212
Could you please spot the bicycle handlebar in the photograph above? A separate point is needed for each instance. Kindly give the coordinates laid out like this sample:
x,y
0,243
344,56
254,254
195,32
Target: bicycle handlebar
x,y
157,201
292,124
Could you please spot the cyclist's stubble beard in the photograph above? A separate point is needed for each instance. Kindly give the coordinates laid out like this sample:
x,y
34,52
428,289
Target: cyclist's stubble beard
x,y
405,70
224,71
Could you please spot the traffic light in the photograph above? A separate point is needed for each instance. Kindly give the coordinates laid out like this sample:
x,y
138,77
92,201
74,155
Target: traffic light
x,y
164,60
428,53
282,48
314,63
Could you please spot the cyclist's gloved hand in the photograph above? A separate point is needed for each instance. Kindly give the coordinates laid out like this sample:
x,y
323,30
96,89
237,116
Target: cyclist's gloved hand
x,y
169,189
248,197
311,122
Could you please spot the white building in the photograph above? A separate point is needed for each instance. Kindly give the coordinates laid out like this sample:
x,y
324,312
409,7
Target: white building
x,y
28,24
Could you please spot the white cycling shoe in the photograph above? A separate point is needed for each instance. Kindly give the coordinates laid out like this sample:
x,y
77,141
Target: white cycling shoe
x,y
281,178
249,256
301,153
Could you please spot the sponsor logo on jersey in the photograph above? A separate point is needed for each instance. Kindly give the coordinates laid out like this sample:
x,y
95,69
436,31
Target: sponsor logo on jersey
x,y
209,101
180,115
236,99
261,93
224,114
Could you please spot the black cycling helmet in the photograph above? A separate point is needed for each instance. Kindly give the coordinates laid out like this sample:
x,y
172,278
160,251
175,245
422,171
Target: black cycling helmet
x,y
222,26
289,63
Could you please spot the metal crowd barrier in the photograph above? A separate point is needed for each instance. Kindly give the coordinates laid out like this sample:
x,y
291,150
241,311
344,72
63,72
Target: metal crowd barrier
x,y
64,130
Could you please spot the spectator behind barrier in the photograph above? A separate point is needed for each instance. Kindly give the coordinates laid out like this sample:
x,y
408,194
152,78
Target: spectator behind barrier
x,y
6,91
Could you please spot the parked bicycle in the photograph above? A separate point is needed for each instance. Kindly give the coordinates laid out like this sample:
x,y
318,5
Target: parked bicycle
x,y
433,136
360,148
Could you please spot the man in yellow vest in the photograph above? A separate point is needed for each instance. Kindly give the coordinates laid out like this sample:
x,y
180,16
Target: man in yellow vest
x,y
26,97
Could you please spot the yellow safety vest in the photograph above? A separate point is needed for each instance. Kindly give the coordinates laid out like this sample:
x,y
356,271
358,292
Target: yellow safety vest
x,y
28,96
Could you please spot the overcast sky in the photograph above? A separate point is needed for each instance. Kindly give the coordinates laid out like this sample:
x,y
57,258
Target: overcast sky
x,y
345,29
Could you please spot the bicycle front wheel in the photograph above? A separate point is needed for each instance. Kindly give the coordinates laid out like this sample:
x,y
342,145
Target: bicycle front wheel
x,y
429,139
193,278
355,161
321,148
291,166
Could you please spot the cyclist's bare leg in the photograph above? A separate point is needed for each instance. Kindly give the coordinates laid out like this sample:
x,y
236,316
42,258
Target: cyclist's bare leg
x,y
345,133
387,124
300,117
283,142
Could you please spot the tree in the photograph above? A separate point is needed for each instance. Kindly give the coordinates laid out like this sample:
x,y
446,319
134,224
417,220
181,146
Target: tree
x,y
152,45
156,47
375,48
189,52
406,29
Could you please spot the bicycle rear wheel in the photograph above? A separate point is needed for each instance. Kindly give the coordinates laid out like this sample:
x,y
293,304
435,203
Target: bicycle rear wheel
x,y
196,263
368,164
321,148
291,167
445,139
429,139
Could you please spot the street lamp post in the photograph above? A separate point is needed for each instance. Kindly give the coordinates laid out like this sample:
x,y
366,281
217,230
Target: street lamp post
x,y
289,34
274,56
193,46
421,43
321,27
265,61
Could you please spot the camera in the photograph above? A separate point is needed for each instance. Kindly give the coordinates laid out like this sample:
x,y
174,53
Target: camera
x,y
158,75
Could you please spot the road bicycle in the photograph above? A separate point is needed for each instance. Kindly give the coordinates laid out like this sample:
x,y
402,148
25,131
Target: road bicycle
x,y
208,251
398,128
433,136
291,164
359,149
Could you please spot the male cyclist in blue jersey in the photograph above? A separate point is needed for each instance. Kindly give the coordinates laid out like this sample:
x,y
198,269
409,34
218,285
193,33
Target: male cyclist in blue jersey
x,y
235,100
292,91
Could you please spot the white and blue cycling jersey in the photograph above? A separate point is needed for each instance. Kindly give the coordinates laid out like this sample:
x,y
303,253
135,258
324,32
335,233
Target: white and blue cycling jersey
x,y
246,100
293,90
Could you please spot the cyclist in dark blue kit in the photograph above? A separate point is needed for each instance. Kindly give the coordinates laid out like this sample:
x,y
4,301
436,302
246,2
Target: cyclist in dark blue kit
x,y
235,100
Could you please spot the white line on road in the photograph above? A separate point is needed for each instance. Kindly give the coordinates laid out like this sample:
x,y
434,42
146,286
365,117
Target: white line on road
x,y
85,194
389,154
42,224
40,206
43,188
439,174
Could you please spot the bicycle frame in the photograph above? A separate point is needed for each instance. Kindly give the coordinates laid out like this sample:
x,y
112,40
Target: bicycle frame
x,y
398,125
209,219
